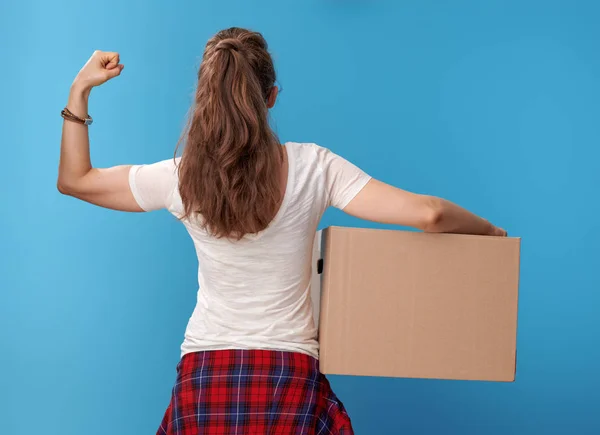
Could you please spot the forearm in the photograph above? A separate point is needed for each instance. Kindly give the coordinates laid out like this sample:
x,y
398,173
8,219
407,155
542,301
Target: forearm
x,y
452,218
75,159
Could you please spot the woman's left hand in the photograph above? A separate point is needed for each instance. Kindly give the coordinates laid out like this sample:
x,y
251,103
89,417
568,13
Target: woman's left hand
x,y
101,67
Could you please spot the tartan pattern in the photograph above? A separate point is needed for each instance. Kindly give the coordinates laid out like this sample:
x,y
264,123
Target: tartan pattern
x,y
253,392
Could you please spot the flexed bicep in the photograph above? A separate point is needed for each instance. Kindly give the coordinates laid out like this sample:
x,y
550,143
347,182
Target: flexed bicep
x,y
105,187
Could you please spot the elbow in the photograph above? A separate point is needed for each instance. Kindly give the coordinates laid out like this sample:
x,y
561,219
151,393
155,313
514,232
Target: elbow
x,y
433,216
63,188
71,186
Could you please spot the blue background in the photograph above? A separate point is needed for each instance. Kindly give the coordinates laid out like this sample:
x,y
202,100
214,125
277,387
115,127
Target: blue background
x,y
492,104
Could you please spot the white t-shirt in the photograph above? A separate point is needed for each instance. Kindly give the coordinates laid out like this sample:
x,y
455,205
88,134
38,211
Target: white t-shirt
x,y
255,293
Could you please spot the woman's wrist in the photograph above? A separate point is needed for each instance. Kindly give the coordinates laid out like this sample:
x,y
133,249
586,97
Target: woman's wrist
x,y
78,99
80,90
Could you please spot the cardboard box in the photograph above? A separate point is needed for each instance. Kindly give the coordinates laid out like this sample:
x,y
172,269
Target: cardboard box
x,y
415,305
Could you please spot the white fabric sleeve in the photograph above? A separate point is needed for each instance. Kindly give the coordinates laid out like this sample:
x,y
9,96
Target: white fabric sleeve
x,y
343,179
153,185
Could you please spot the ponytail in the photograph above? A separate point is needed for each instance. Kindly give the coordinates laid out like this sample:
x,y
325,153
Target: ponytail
x,y
229,175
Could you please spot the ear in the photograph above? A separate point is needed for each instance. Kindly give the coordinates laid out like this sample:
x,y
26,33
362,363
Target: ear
x,y
272,97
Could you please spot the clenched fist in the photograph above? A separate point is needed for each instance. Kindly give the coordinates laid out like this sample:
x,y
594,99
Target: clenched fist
x,y
101,67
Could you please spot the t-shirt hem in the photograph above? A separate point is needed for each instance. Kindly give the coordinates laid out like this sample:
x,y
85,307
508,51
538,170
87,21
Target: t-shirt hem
x,y
356,189
209,348
134,189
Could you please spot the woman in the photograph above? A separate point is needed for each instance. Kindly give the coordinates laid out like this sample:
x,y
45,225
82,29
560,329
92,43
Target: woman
x,y
249,357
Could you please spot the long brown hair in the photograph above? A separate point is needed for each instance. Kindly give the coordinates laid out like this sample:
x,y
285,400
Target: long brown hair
x,y
230,169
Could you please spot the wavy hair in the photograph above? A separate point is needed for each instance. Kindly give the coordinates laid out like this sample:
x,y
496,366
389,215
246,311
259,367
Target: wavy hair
x,y
230,170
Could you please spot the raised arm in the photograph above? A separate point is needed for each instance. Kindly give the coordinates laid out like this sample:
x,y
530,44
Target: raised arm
x,y
383,203
76,177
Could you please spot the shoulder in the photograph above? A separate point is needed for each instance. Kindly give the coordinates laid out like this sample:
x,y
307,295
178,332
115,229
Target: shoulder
x,y
166,171
162,170
169,165
309,152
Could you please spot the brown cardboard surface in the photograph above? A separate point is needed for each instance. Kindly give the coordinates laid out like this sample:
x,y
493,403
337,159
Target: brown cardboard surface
x,y
414,305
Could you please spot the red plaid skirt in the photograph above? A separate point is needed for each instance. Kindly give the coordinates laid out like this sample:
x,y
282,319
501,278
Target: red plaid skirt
x,y
258,392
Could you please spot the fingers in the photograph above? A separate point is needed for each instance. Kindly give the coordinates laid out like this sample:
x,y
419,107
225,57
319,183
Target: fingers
x,y
111,60
114,72
501,232
108,59
101,66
